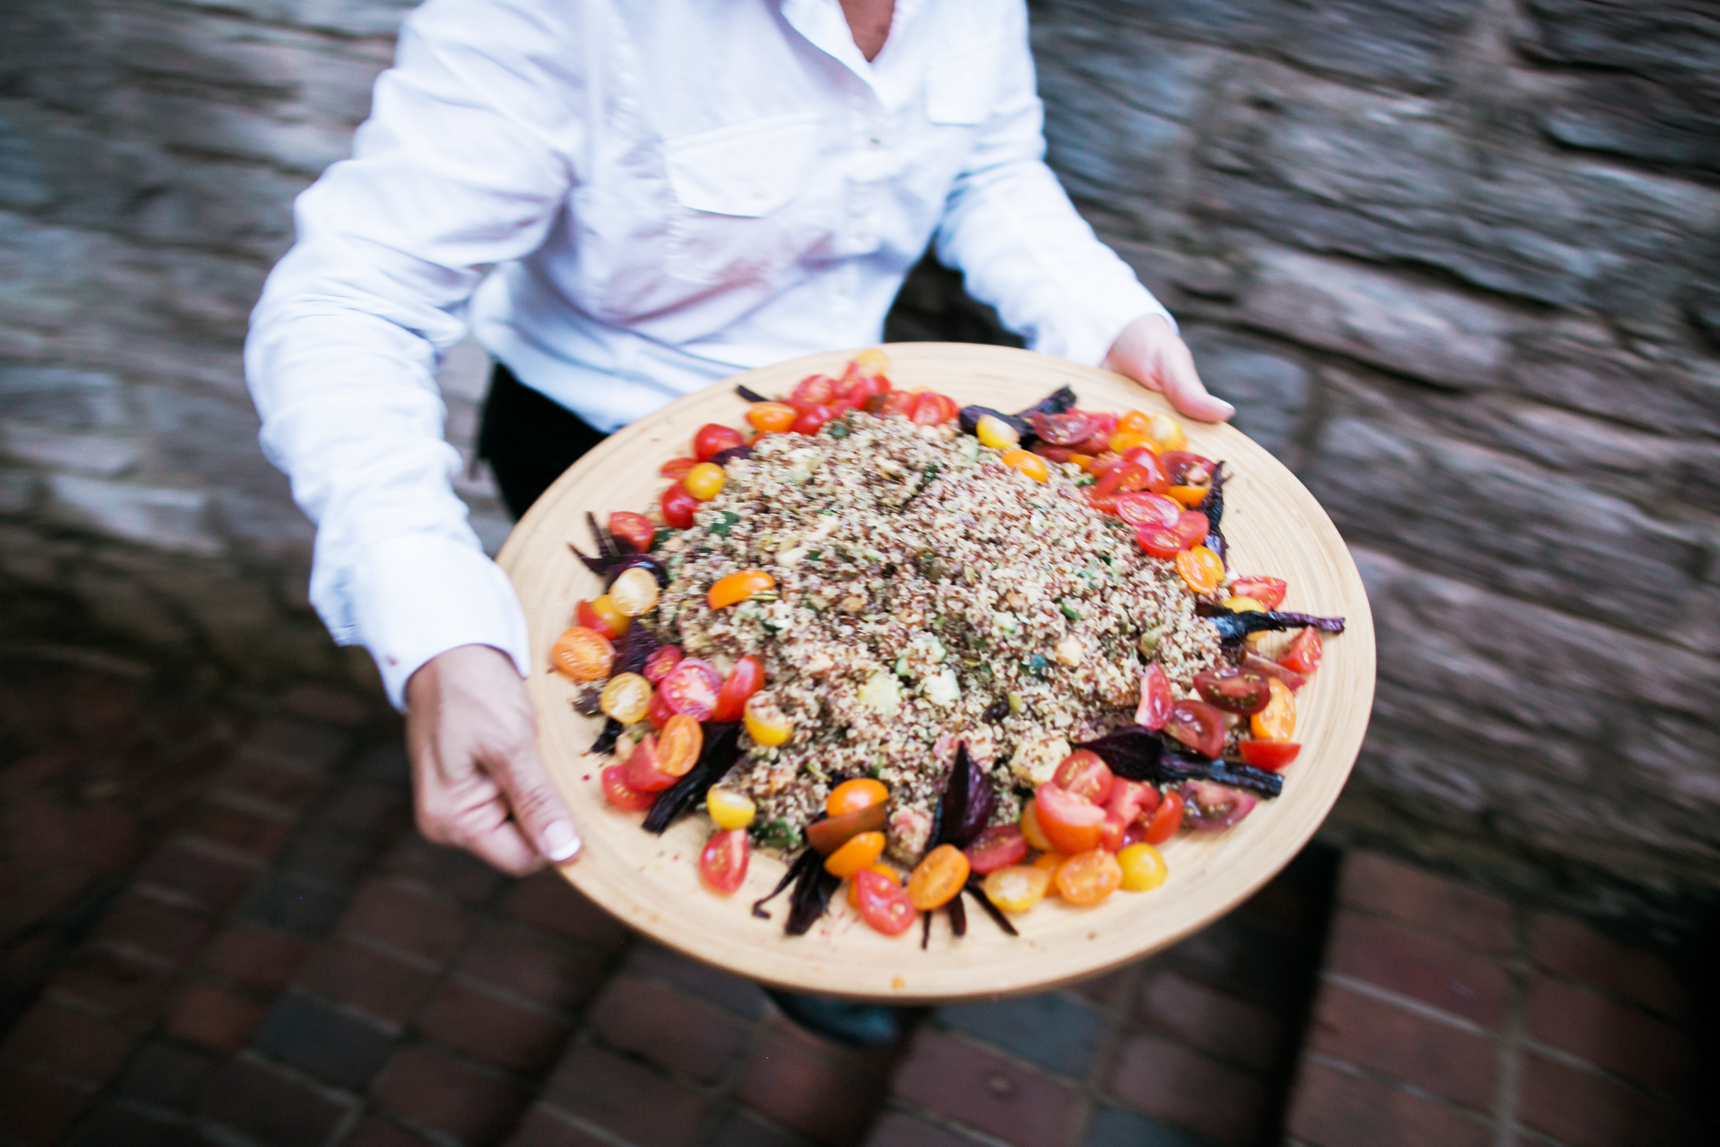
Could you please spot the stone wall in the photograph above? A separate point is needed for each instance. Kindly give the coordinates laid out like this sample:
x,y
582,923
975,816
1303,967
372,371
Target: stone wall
x,y
1455,259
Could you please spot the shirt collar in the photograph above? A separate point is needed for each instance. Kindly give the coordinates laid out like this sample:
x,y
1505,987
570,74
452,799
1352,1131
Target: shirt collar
x,y
826,28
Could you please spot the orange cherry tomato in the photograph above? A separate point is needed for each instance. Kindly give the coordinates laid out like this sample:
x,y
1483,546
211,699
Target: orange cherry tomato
x,y
617,792
854,795
634,529
771,417
1201,569
1017,888
738,587
583,654
1272,755
723,862
602,616
1089,877
678,745
1027,462
745,679
938,878
1030,828
1166,819
859,851
883,903
1082,774
1069,823
883,870
1305,652
1125,440
1133,422
1190,496
1276,722
1268,591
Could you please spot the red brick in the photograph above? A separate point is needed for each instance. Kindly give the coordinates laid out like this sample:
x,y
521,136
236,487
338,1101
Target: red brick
x,y
1451,978
727,991
214,1016
64,1042
1388,1040
625,1099
196,879
529,965
668,1028
109,835
449,871
317,702
1336,1109
113,983
487,1027
381,985
546,900
1609,1035
1422,900
149,926
1570,948
255,784
243,832
897,1129
43,832
295,745
547,1127
378,1132
373,812
953,1078
787,1082
1211,1020
34,1109
738,1127
255,957
1586,1109
438,1091
271,1106
1178,1084
408,919
1107,989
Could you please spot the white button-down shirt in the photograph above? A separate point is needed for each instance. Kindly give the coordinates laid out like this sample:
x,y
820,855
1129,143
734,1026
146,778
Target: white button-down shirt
x,y
667,192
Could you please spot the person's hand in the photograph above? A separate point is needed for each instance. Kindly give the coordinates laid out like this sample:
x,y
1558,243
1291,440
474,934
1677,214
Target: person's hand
x,y
1150,352
477,780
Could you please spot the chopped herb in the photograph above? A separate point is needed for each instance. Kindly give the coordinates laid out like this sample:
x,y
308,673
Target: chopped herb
x,y
662,535
814,555
836,429
779,834
1069,610
1036,666
726,520
1085,480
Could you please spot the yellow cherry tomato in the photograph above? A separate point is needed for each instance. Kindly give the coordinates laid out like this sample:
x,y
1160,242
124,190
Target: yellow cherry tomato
x,y
938,878
883,870
583,654
610,614
704,481
1190,496
871,362
1276,722
729,809
1124,440
1243,605
1035,835
1016,888
634,591
861,850
1165,433
739,587
627,698
1027,462
771,417
766,724
854,795
1143,868
995,432
1201,569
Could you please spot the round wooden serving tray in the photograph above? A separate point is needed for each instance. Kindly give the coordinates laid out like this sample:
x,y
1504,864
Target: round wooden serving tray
x,y
1274,527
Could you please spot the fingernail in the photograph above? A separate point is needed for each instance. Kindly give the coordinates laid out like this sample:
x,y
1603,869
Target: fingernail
x,y
560,842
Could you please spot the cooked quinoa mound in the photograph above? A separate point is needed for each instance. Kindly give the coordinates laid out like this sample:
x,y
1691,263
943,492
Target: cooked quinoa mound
x,y
926,594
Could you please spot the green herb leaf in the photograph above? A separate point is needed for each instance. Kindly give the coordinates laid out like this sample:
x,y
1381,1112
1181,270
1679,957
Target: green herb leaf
x,y
722,527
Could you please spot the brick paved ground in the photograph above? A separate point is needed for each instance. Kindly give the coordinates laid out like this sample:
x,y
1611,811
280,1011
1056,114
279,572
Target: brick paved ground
x,y
219,928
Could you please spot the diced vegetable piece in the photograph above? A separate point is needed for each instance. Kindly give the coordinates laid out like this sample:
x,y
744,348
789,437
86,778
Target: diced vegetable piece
x,y
1027,462
723,862
1276,722
1209,807
1166,819
634,591
730,809
882,870
1201,569
691,688
705,481
642,771
995,432
1156,699
1017,888
626,697
1272,755
677,506
738,587
1268,591
601,615
883,903
859,851
634,529
1082,774
658,665
583,654
1143,868
771,417
617,792
854,795
1031,829
1305,652
1068,822
745,679
1088,877
1197,725
713,438
997,847
1234,689
938,878
766,723
678,745
831,833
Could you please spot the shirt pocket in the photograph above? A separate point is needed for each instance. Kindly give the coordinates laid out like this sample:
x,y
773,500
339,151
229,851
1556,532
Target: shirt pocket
x,y
962,83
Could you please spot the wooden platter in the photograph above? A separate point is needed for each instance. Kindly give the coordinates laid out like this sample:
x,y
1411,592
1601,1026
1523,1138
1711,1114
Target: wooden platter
x,y
1274,526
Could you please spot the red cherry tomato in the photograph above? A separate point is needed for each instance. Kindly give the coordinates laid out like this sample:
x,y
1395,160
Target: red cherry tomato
x,y
1071,428
1272,755
1209,807
1156,699
1192,528
1129,801
657,666
676,468
1234,689
1068,822
1272,669
723,861
678,506
1054,453
812,391
1268,591
713,438
897,402
745,679
640,772
1186,469
616,792
1122,478
1159,541
859,387
1104,425
1082,774
932,409
997,847
659,712
1304,653
691,688
585,614
813,418
634,529
1144,457
1144,509
884,904
1165,820
1197,725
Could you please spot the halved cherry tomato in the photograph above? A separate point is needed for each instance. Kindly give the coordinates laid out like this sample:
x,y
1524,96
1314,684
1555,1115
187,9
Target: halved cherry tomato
x,y
861,850
1068,822
883,870
932,409
659,712
1190,496
827,835
859,390
1268,591
1201,569
1017,888
729,809
1099,463
1049,863
1144,508
813,419
713,438
676,468
812,391
602,616
1192,528
705,481
938,878
642,771
626,697
583,654
766,723
1030,827
1234,689
771,417
1071,428
1082,774
678,506
1155,707
1166,819
1304,653
1144,457
678,745
691,688
1143,868
1197,725
1165,433
1273,669
723,862
1276,722
1124,441
657,666
1187,469
738,587
1104,425
1209,807
745,679
997,847
1027,462
883,903
896,402
634,592
1088,877
1129,801
854,795
1133,422
1054,453
1272,755
1158,541
617,793
1123,478
634,529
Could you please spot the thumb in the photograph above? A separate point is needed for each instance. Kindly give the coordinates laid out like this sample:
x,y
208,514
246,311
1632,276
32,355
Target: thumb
x,y
1183,387
537,805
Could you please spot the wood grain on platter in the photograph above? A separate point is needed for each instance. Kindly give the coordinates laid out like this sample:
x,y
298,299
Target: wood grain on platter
x,y
1274,526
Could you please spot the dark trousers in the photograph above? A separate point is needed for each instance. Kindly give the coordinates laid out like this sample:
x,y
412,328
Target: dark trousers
x,y
528,439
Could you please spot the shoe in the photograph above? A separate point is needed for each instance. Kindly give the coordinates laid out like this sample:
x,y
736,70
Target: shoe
x,y
854,1025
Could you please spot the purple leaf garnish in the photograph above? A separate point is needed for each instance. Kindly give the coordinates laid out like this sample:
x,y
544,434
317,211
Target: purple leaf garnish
x,y
722,748
975,887
1136,753
966,804
724,457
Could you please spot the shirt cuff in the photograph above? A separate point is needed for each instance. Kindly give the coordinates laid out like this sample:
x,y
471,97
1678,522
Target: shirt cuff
x,y
418,595
1087,333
